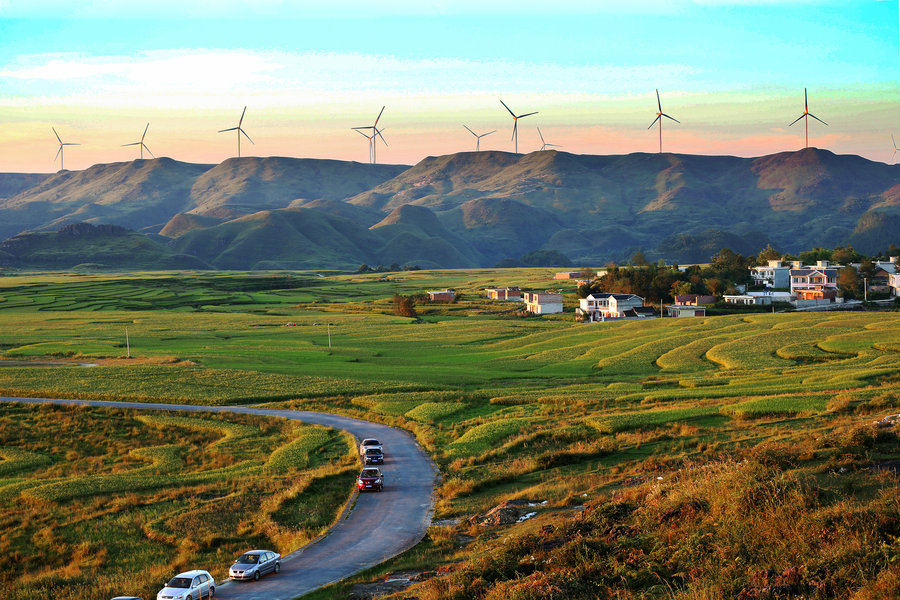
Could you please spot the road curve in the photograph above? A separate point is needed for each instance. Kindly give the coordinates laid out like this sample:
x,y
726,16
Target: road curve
x,y
380,525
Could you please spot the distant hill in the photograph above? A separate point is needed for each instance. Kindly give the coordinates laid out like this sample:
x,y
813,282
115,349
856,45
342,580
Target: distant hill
x,y
102,247
473,208
241,186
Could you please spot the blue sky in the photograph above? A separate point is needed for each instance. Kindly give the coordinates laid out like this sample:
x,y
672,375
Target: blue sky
x,y
733,71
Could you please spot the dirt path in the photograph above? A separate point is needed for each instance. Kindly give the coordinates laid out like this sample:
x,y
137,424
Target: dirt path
x,y
380,525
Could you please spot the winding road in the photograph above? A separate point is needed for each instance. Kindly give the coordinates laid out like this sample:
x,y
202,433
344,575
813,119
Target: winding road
x,y
379,526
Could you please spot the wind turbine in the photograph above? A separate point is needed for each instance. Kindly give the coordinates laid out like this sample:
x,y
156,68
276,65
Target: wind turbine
x,y
373,139
545,144
895,147
804,116
478,137
59,153
239,131
515,136
141,143
659,115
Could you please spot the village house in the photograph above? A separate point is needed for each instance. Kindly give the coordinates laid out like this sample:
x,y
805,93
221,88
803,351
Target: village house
x,y
568,275
776,274
510,294
694,299
543,303
601,306
685,310
894,283
441,295
814,283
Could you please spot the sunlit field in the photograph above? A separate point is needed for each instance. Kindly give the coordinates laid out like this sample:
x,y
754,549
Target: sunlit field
x,y
740,418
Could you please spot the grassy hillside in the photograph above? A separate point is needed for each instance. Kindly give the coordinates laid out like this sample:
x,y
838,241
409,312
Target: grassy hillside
x,y
93,247
688,458
692,458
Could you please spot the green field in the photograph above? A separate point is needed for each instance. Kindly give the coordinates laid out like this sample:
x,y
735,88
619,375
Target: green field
x,y
508,406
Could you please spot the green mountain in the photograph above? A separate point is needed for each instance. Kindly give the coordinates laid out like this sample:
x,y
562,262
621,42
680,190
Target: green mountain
x,y
473,208
242,186
94,247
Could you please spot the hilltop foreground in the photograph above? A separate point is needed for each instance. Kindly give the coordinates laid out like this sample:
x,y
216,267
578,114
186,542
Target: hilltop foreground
x,y
461,210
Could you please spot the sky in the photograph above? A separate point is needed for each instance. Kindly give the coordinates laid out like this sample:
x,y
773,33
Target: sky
x,y
732,72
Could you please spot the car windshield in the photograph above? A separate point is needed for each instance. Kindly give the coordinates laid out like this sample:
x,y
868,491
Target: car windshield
x,y
248,559
179,582
369,473
373,451
371,443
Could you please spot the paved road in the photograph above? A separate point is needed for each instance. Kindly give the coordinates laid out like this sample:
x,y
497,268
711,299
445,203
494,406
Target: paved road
x,y
379,526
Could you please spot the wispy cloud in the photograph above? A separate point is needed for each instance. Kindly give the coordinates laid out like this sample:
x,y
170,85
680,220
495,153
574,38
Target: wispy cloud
x,y
275,78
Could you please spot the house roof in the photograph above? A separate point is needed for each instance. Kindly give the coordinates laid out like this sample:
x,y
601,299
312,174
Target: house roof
x,y
600,296
805,272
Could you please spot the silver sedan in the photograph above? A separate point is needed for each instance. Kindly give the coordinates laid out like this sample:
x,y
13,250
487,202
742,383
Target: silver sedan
x,y
254,564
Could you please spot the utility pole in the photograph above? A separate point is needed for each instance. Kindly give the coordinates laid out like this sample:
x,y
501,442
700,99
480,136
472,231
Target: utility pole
x,y
127,343
329,337
865,289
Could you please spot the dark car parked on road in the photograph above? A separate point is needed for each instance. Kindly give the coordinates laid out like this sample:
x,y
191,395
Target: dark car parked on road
x,y
373,456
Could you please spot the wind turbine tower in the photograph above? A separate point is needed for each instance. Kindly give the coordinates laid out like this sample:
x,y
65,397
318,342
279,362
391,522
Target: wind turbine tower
x,y
59,153
545,145
805,116
478,137
142,144
515,135
239,131
659,115
373,139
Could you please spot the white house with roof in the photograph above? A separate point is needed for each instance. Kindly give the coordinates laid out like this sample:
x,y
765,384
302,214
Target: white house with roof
x,y
543,303
600,306
775,274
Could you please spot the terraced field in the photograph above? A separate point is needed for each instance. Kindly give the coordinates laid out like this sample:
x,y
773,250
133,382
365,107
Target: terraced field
x,y
508,406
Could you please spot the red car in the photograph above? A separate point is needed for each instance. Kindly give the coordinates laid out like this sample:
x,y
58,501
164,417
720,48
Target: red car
x,y
370,479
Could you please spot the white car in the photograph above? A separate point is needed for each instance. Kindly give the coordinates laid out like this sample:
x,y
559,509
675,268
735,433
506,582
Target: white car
x,y
369,443
190,585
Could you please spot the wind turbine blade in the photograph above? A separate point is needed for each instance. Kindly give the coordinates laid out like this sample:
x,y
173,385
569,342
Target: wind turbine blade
x,y
470,131
57,136
527,114
658,103
361,133
893,142
131,144
58,152
241,120
488,133
654,121
805,101
892,155
229,129
363,127
148,150
145,133
542,136
379,116
240,131
668,117
69,144
797,119
817,119
515,124
382,138
507,108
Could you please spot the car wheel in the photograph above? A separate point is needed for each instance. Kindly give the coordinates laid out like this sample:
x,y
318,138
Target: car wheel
x,y
256,576
212,592
277,567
